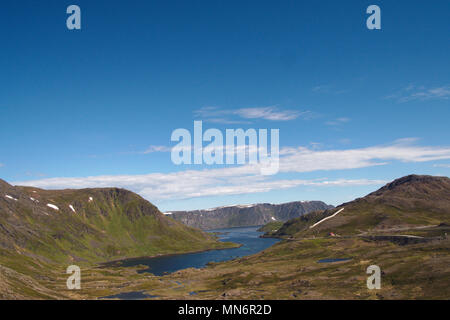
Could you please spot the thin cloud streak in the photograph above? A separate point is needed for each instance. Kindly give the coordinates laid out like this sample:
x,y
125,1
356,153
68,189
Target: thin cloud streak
x,y
442,165
189,184
152,149
338,121
228,116
421,93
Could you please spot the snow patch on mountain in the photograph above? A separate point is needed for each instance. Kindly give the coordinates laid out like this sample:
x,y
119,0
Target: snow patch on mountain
x,y
52,206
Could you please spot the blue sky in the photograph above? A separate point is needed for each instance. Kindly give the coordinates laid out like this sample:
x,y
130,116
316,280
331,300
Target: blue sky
x,y
96,107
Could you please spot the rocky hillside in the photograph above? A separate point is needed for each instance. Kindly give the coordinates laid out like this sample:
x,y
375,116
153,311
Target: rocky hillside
x,y
89,225
246,215
410,202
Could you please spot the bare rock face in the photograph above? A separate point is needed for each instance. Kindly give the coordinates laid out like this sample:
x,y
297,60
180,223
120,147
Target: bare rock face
x,y
247,215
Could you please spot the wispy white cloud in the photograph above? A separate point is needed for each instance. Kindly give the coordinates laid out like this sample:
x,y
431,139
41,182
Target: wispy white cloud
x,y
152,149
35,174
413,93
322,88
268,113
245,115
247,179
191,183
328,89
442,165
344,141
1,165
307,160
337,122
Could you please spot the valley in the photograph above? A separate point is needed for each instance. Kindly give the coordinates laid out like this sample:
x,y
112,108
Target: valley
x,y
403,228
42,232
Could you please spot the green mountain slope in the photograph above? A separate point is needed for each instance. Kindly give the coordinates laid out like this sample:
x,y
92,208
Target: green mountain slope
x,y
271,226
90,225
410,202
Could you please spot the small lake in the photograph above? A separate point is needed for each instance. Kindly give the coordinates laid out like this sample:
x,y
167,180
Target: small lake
x,y
136,295
247,236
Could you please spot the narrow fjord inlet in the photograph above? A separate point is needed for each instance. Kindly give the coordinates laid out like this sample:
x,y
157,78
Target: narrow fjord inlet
x,y
247,237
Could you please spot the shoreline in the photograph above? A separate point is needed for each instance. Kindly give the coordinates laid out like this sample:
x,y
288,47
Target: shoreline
x,y
116,263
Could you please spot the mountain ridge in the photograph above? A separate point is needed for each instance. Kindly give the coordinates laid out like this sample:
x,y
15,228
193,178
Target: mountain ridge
x,y
246,215
94,224
410,201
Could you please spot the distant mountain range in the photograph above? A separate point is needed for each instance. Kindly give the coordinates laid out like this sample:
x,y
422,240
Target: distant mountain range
x,y
246,215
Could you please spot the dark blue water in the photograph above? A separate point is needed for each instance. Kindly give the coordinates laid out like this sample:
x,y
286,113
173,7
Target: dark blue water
x,y
135,295
247,236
